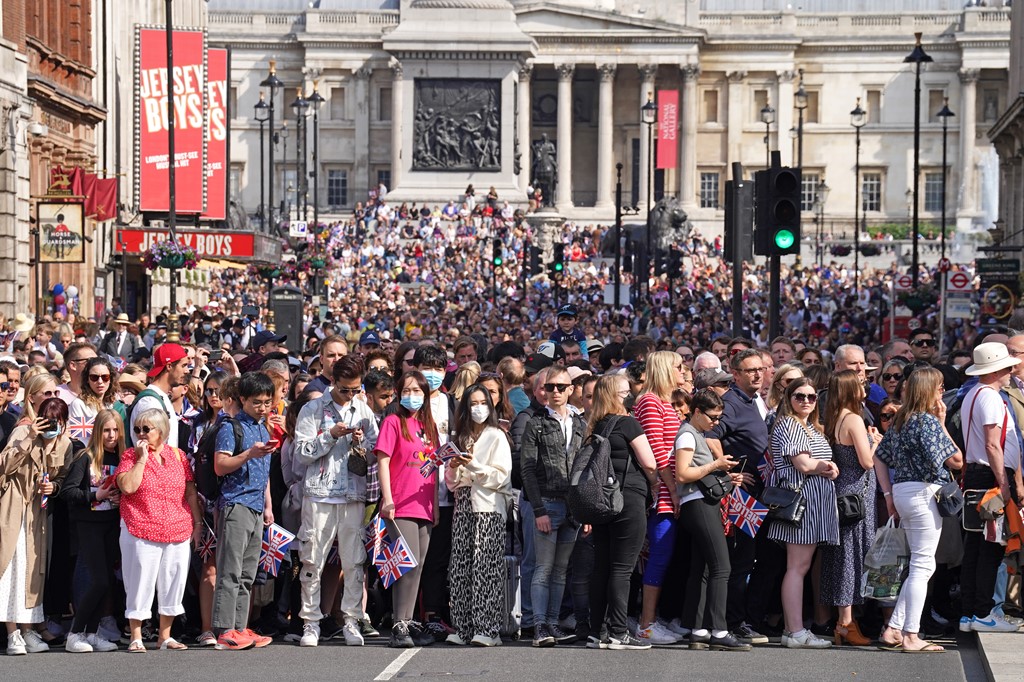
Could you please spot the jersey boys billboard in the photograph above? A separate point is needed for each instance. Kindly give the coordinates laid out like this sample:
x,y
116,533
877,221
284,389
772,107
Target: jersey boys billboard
x,y
217,134
189,83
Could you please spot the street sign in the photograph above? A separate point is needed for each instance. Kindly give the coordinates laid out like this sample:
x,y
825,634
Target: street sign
x,y
297,229
944,265
913,323
958,281
904,283
958,307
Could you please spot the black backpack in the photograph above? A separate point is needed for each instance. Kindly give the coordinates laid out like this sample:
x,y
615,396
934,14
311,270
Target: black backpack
x,y
207,479
595,495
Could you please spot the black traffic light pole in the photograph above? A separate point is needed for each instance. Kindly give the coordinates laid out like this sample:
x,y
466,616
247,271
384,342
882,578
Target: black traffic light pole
x,y
733,226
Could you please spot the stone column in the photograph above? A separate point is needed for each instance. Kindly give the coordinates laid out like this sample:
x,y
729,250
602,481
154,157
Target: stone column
x,y
361,161
688,144
648,72
968,125
563,188
523,124
397,108
605,116
734,133
784,117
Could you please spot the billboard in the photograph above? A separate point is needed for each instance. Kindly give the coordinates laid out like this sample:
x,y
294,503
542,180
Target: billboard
x,y
188,80
668,125
216,134
61,239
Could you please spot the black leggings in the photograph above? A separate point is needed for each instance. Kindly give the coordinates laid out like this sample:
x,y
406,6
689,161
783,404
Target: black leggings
x,y
98,551
708,548
616,547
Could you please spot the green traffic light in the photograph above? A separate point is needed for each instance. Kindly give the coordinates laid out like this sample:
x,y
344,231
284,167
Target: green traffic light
x,y
784,239
558,267
497,261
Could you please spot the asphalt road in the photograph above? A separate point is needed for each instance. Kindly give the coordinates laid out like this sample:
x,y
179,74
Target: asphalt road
x,y
517,661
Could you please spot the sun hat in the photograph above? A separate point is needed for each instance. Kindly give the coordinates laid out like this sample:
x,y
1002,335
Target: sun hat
x,y
990,357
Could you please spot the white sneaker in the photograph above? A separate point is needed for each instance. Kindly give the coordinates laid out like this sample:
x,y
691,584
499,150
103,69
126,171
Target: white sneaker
x,y
351,632
676,626
100,644
656,634
994,622
310,634
78,643
805,639
484,640
965,623
108,629
34,644
16,644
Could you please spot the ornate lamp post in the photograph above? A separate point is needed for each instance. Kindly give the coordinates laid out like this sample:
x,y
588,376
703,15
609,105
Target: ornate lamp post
x,y
917,57
316,100
649,115
768,118
945,115
858,118
800,102
300,107
262,113
274,83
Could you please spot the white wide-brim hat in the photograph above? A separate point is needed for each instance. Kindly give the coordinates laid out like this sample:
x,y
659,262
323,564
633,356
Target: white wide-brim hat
x,y
990,357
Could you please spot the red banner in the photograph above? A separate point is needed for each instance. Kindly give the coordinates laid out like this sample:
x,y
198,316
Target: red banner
x,y
207,243
668,128
151,88
105,201
217,134
89,192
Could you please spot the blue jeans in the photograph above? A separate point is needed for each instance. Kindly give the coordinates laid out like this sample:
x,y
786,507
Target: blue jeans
x,y
552,551
529,559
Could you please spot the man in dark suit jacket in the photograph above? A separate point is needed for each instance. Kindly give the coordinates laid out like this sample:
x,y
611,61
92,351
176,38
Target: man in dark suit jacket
x,y
120,342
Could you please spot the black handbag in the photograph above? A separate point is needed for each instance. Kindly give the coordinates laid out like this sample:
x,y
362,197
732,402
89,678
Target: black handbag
x,y
851,505
357,464
950,499
715,486
785,504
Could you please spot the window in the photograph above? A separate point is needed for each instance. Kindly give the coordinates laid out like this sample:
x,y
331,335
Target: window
x,y
874,106
933,191
338,104
760,100
990,105
384,104
232,102
709,107
871,191
808,190
235,181
709,190
337,187
935,101
811,112
384,178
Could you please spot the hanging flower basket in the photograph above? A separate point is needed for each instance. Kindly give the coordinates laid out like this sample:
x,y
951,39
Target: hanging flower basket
x,y
269,271
168,254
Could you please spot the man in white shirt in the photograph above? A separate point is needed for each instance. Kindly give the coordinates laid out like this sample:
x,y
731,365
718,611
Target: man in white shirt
x,y
75,358
170,370
992,456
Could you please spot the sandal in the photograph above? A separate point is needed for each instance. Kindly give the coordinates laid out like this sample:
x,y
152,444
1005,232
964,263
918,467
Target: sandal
x,y
171,644
136,646
928,648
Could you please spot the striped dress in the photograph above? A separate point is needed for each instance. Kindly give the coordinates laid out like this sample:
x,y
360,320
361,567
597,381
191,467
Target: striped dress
x,y
820,525
661,424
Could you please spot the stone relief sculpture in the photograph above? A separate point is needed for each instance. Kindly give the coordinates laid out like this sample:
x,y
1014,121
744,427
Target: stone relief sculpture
x,y
457,125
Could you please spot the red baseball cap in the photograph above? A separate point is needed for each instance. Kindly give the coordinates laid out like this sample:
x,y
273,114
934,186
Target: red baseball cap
x,y
165,355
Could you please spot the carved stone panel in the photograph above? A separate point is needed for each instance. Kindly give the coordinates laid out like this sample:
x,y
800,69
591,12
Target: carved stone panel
x,y
457,125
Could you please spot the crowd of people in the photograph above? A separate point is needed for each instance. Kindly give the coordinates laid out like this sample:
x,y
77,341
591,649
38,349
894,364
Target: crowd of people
x,y
142,460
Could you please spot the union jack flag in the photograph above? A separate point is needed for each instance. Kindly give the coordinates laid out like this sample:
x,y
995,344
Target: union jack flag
x,y
377,537
80,428
208,544
275,544
745,512
7,339
395,561
765,468
119,363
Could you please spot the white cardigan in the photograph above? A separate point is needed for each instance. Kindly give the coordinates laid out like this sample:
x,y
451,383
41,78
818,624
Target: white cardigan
x,y
488,474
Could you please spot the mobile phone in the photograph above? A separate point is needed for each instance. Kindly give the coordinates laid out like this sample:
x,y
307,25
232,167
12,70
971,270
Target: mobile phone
x,y
274,443
216,356
50,425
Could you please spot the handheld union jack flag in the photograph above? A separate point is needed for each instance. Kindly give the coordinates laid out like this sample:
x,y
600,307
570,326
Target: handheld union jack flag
x,y
745,512
275,543
377,537
766,467
80,428
395,562
45,499
208,544
119,363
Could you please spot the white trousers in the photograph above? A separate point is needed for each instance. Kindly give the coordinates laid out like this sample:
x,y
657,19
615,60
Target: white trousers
x,y
919,517
149,568
321,524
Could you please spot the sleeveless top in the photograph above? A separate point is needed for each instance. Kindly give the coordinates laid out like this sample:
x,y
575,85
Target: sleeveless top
x,y
701,455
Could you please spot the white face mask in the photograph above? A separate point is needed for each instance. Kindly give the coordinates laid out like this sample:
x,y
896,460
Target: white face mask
x,y
479,413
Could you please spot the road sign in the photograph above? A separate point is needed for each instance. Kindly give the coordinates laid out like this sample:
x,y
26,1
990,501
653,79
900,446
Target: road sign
x,y
297,229
913,323
944,265
904,283
958,281
958,307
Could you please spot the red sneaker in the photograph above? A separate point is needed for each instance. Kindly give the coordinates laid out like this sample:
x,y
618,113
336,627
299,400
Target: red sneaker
x,y
258,641
233,640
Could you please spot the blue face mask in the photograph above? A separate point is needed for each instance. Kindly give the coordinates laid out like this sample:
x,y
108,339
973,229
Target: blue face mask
x,y
411,402
434,379
50,435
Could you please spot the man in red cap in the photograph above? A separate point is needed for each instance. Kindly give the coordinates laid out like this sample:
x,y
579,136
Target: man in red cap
x,y
170,370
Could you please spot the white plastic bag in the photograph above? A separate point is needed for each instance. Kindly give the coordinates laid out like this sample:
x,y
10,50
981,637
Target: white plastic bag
x,y
886,564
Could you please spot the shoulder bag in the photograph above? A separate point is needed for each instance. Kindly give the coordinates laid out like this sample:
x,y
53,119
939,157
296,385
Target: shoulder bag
x,y
785,504
971,520
851,505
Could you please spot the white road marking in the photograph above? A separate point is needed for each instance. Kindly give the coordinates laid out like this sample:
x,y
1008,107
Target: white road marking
x,y
396,665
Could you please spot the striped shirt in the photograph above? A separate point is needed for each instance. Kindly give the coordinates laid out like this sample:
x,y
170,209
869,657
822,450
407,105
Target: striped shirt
x,y
661,424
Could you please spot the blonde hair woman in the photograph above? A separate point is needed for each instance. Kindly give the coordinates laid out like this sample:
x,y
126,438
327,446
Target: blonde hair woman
x,y
784,375
38,388
465,377
159,514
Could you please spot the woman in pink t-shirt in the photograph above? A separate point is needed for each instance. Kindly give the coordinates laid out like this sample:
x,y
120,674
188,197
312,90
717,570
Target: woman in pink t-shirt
x,y
407,496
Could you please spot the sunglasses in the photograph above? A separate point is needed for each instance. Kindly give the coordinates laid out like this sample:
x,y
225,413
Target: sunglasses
x,y
715,419
557,388
892,377
212,391
809,398
348,391
49,394
99,377
887,416
686,356
923,343
142,430
4,385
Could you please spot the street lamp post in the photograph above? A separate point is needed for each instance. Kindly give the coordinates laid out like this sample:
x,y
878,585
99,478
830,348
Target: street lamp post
x,y
649,115
281,137
300,107
768,118
272,82
316,100
800,101
262,112
858,118
820,197
945,115
917,57
618,234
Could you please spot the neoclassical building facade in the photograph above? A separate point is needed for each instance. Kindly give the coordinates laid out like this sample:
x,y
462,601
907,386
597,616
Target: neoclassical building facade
x,y
579,71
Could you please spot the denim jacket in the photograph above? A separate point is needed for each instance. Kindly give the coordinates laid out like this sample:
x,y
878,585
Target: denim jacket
x,y
326,457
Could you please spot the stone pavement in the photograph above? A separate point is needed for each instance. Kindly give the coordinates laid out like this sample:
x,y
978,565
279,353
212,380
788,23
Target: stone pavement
x,y
1002,656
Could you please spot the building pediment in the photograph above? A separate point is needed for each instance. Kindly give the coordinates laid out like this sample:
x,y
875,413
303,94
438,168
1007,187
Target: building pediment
x,y
540,19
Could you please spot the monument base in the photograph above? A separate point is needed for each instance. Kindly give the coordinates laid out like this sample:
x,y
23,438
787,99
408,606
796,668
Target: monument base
x,y
547,225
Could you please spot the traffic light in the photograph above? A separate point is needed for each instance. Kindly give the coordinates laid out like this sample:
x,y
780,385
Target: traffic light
x,y
675,264
660,261
739,221
534,264
497,255
558,264
777,211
